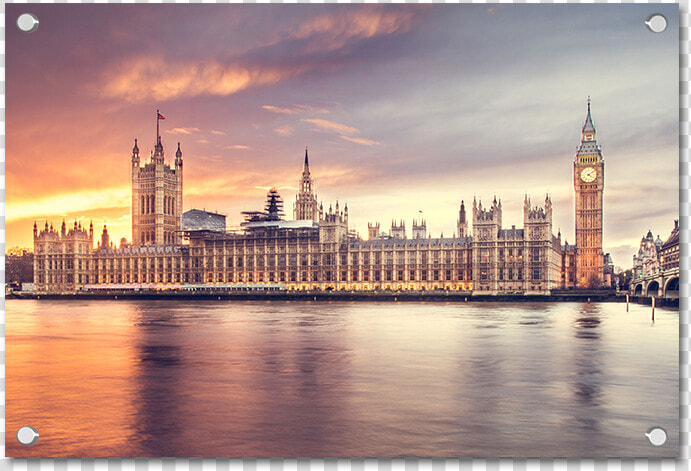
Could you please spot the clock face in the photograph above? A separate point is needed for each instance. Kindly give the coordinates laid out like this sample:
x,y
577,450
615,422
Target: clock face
x,y
588,174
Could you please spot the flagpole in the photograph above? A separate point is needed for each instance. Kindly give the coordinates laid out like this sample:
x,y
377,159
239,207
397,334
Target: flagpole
x,y
157,134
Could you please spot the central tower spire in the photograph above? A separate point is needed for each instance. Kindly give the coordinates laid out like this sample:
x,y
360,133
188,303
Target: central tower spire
x,y
306,200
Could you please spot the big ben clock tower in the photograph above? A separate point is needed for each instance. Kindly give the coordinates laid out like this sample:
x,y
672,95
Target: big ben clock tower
x,y
588,183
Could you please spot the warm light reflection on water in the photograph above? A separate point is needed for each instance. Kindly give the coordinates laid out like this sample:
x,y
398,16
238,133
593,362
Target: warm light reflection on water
x,y
164,378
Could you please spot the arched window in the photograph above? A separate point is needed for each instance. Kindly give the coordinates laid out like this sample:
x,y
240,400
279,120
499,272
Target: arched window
x,y
172,211
143,236
142,206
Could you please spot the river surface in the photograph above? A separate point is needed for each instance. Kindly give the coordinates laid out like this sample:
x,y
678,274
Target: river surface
x,y
229,378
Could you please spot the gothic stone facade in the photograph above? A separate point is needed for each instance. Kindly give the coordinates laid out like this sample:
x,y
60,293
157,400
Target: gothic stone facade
x,y
156,198
309,255
317,251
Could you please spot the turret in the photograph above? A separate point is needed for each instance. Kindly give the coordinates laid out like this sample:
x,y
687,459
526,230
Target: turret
x,y
372,230
91,231
178,157
35,229
104,237
158,156
135,154
63,229
462,225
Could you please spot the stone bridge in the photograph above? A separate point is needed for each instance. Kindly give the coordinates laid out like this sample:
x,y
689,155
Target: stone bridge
x,y
662,285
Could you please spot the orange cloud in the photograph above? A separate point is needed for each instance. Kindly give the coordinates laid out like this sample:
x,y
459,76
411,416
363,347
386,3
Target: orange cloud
x,y
335,31
491,10
339,128
359,140
279,110
238,147
284,131
154,78
347,133
182,130
295,109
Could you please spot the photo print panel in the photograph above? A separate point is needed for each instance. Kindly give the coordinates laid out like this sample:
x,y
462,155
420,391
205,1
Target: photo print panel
x,y
342,230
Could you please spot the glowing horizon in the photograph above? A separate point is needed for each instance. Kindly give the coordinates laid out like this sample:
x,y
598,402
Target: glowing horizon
x,y
402,109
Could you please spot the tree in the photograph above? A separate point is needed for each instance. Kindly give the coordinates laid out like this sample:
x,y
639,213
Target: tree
x,y
19,266
593,282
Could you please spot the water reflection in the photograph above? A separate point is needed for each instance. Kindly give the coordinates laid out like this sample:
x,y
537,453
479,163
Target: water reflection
x,y
588,369
340,379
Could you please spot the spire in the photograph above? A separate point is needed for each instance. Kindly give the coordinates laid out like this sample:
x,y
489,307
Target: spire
x,y
588,126
178,153
135,149
307,163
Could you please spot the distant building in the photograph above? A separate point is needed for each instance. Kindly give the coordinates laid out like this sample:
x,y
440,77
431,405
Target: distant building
x,y
198,220
669,251
656,266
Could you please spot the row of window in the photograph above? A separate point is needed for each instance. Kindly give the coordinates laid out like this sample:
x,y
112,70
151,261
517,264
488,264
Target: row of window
x,y
511,274
148,204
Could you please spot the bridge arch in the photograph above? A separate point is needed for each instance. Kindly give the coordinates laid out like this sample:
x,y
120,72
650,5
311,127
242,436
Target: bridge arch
x,y
672,288
653,288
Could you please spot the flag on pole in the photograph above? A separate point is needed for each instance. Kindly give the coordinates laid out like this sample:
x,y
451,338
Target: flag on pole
x,y
160,116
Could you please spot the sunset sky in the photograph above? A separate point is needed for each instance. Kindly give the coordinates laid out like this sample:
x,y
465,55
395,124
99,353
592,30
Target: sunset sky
x,y
405,108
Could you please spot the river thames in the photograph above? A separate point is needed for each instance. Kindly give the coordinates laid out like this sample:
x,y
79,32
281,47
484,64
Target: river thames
x,y
285,379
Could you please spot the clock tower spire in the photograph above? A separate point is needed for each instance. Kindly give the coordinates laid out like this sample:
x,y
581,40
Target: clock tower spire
x,y
589,182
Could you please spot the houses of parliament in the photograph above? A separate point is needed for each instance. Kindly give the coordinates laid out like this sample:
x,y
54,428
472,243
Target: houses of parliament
x,y
316,250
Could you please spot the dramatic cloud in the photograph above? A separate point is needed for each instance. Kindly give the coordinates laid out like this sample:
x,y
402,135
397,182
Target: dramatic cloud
x,y
338,128
347,133
284,131
152,78
335,31
276,109
295,109
182,130
359,140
